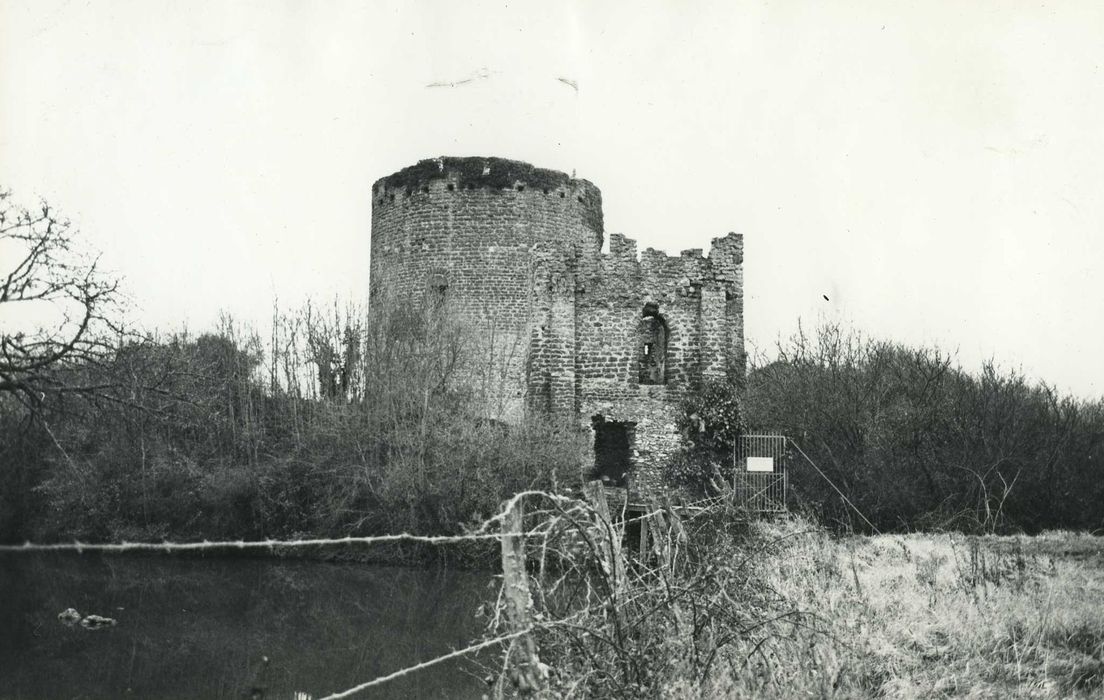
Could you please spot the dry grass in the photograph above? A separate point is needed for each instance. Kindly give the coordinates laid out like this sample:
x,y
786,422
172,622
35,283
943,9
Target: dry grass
x,y
786,610
920,616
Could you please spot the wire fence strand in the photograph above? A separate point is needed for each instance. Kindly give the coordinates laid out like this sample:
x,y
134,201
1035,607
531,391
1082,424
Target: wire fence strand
x,y
837,488
479,534
426,664
250,544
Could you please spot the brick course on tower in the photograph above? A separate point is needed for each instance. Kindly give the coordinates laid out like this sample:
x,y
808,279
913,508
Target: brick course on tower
x,y
611,340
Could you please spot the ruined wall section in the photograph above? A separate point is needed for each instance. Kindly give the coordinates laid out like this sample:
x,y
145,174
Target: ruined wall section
x,y
486,229
727,260
700,299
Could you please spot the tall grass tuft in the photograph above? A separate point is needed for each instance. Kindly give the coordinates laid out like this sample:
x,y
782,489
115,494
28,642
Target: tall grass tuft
x,y
718,607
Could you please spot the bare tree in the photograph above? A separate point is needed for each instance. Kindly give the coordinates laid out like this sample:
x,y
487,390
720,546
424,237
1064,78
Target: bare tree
x,y
59,292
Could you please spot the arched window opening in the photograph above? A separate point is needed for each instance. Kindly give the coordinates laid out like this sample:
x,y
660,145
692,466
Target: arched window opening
x,y
652,344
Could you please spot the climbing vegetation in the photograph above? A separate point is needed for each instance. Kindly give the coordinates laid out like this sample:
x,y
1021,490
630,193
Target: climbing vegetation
x,y
710,421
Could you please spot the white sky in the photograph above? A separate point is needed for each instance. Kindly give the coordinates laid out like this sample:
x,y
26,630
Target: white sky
x,y
934,168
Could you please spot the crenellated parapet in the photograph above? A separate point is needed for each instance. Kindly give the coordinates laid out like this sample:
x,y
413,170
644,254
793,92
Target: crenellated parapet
x,y
625,270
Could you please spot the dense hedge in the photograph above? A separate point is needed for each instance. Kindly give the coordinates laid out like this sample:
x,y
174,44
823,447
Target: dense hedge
x,y
917,442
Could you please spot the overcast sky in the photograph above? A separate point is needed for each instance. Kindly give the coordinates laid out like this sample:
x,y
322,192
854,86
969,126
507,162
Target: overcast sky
x,y
935,169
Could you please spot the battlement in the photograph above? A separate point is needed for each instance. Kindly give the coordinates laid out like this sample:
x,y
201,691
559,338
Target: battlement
x,y
725,257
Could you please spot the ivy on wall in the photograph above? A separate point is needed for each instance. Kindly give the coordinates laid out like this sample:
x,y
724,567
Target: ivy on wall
x,y
710,421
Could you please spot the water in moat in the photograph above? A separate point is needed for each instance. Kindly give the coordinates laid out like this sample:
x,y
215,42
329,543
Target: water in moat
x,y
200,628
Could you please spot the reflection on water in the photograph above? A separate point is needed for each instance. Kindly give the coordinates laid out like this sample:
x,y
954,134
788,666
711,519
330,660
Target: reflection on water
x,y
198,628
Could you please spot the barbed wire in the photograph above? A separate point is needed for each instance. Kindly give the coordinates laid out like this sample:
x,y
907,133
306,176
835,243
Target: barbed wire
x,y
474,648
479,534
252,544
426,664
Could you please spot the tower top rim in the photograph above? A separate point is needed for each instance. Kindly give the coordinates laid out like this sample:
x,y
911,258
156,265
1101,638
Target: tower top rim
x,y
479,171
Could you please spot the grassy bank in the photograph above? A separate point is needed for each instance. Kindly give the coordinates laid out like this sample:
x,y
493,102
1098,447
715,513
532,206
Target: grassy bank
x,y
930,616
786,609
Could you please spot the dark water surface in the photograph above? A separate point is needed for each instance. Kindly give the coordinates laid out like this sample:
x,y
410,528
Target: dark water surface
x,y
198,628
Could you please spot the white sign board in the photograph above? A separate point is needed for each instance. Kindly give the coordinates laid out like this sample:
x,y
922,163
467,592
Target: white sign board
x,y
760,464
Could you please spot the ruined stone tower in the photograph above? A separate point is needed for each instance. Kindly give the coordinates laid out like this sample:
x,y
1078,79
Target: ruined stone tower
x,y
612,340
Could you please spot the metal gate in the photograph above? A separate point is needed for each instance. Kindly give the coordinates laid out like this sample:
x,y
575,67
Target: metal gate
x,y
759,473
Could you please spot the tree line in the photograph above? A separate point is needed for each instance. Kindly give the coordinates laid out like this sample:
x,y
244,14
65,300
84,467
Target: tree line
x,y
338,422
918,442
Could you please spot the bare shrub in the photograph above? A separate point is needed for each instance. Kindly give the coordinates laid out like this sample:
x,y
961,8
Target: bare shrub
x,y
345,422
917,442
782,609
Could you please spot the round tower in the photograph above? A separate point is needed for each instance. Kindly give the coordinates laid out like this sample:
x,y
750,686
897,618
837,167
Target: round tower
x,y
482,234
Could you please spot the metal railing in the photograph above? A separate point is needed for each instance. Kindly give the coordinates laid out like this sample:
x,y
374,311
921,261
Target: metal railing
x,y
760,482
760,493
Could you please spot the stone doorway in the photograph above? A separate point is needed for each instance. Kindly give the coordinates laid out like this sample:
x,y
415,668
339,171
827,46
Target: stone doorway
x,y
613,442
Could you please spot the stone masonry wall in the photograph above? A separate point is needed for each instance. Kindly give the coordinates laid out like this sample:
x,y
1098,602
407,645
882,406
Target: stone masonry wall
x,y
519,250
482,228
700,302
